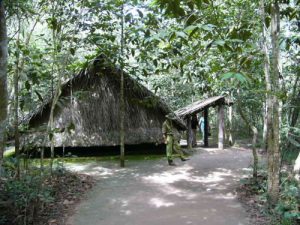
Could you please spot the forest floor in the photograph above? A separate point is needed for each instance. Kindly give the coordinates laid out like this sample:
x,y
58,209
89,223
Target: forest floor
x,y
202,191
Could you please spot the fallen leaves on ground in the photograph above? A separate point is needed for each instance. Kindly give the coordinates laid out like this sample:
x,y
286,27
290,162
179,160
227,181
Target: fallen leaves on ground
x,y
68,191
254,206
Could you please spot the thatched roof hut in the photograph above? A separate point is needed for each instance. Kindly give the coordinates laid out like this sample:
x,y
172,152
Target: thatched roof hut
x,y
200,105
203,106
88,111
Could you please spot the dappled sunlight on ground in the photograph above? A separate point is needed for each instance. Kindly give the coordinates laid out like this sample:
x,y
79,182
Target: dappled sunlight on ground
x,y
218,180
198,191
159,202
170,176
93,169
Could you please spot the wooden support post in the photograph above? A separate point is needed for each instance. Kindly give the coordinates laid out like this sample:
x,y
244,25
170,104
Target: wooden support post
x,y
221,127
230,139
205,127
189,132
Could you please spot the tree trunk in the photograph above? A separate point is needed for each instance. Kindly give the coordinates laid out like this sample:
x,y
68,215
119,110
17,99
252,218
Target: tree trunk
x,y
189,135
221,127
16,102
265,127
230,138
56,95
205,115
51,122
273,123
122,101
267,113
3,81
254,142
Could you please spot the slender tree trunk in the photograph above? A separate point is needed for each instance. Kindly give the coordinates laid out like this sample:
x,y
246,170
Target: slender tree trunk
x,y
205,117
267,116
254,152
3,81
273,124
189,136
42,159
58,66
56,95
16,101
254,142
265,127
122,101
51,122
230,138
221,127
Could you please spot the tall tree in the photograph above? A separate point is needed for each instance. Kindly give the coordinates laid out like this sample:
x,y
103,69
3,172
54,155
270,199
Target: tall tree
x,y
16,96
3,80
273,147
122,103
265,51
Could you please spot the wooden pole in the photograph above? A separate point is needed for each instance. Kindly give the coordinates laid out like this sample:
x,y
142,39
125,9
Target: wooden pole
x,y
205,127
221,127
189,132
122,100
230,138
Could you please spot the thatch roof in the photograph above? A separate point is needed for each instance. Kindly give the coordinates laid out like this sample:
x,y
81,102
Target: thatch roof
x,y
200,105
90,102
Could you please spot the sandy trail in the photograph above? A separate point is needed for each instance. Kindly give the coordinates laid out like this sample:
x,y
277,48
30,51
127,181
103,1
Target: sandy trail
x,y
200,191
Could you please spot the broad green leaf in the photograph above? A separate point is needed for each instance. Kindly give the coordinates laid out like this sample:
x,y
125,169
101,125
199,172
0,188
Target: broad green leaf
x,y
208,27
181,34
235,76
190,28
219,42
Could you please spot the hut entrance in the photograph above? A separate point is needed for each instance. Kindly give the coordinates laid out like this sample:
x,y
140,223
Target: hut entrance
x,y
186,113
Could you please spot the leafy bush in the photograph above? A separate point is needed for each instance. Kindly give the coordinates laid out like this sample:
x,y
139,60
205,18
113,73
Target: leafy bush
x,y
288,207
26,196
287,210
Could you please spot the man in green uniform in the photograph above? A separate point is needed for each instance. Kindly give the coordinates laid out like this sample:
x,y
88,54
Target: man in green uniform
x,y
171,138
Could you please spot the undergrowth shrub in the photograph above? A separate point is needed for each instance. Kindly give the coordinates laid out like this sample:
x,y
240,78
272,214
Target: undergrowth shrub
x,y
288,206
287,210
24,198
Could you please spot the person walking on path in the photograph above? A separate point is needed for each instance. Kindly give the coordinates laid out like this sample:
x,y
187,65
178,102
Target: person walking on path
x,y
201,126
171,138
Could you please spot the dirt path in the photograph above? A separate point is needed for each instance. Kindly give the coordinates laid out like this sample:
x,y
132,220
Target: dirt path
x,y
200,191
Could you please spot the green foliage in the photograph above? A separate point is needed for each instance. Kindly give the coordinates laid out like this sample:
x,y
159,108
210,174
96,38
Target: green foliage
x,y
288,207
26,195
237,76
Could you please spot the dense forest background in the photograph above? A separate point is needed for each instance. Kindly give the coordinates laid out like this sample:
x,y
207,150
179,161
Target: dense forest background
x,y
181,50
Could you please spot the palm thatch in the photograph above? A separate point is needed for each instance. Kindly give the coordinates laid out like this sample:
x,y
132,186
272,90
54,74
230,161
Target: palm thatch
x,y
88,111
201,105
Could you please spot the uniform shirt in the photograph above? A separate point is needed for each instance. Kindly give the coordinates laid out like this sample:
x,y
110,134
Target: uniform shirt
x,y
167,127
